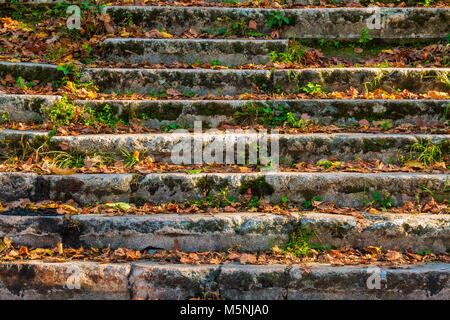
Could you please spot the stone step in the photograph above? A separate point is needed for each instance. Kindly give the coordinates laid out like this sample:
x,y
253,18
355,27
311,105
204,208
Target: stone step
x,y
235,81
149,280
46,2
220,232
230,52
326,111
34,2
403,24
329,111
343,188
42,72
292,147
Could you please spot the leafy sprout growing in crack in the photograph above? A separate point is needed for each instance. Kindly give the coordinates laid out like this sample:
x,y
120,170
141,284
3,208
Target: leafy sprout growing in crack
x,y
131,159
277,18
428,153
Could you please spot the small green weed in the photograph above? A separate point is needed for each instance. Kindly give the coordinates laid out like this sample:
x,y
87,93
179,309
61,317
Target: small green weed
x,y
277,19
385,202
307,204
294,54
365,37
167,127
429,153
297,243
313,89
131,159
269,115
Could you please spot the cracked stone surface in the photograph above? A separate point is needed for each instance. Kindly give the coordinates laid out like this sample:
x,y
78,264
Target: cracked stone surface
x,y
337,79
30,71
248,231
149,280
292,148
235,81
171,282
316,23
229,52
336,111
343,188
24,107
33,280
200,81
232,81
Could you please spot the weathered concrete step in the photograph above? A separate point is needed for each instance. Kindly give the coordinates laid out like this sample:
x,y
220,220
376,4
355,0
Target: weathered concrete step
x,y
309,23
343,188
150,280
228,52
280,282
303,2
220,232
233,81
295,148
25,107
30,71
336,111
37,1
32,280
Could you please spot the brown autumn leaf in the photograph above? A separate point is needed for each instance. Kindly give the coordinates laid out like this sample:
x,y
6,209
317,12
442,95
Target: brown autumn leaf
x,y
413,255
233,256
153,34
90,162
173,92
120,253
106,19
437,95
373,250
9,79
176,245
252,25
23,251
275,34
393,256
306,269
230,209
415,164
62,171
59,248
247,258
136,155
64,146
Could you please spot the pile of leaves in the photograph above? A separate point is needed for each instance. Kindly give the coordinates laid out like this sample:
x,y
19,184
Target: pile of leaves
x,y
369,166
135,126
41,35
143,165
436,55
364,127
12,85
218,203
336,257
276,4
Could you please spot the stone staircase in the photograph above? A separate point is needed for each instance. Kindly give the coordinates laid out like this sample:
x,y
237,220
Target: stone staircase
x,y
250,231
